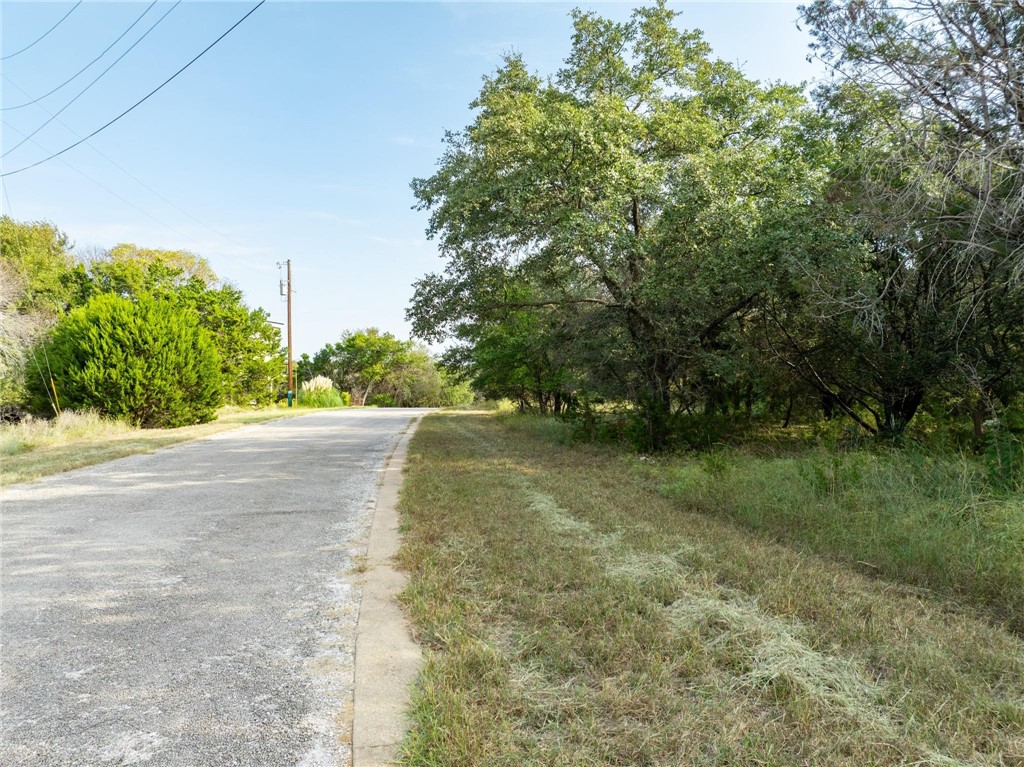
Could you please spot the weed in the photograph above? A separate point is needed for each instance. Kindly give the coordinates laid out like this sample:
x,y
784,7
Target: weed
x,y
359,564
68,427
1004,455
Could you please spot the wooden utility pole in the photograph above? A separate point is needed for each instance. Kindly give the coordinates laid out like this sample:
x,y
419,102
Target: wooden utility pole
x,y
291,369
286,290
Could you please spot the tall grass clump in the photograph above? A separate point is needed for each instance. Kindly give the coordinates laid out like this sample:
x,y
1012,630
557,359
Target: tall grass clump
x,y
70,426
555,430
933,521
320,392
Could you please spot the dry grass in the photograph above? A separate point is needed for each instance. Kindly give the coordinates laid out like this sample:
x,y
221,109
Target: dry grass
x,y
575,615
36,448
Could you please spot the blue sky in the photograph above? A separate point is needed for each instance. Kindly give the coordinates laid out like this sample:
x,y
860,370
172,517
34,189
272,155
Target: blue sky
x,y
295,137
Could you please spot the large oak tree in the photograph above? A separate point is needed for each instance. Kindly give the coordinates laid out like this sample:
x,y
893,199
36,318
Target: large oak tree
x,y
637,193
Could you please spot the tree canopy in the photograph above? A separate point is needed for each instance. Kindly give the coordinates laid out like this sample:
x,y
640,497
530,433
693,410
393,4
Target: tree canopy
x,y
36,285
650,227
928,106
640,195
248,346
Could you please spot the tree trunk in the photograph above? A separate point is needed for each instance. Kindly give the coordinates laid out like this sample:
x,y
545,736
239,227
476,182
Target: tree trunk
x,y
978,413
898,410
656,405
828,406
789,413
542,402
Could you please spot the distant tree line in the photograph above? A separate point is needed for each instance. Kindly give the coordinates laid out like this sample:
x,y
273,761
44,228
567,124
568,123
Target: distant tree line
x,y
152,336
156,338
376,368
649,231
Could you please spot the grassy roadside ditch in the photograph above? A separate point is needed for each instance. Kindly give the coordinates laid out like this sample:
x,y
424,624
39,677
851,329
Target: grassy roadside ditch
x,y
577,610
35,449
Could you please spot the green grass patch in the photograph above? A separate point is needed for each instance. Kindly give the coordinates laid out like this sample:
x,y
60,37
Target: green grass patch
x,y
37,448
576,613
923,519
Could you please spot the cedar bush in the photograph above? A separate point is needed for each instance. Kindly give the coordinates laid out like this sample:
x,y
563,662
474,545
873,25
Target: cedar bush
x,y
144,360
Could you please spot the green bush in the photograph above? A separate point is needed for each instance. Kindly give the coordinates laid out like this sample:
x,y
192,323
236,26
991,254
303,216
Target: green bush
x,y
146,361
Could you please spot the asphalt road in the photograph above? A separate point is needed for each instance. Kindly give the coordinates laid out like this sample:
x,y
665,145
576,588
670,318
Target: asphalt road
x,y
195,606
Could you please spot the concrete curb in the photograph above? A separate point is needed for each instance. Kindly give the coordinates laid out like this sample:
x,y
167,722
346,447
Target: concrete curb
x,y
387,660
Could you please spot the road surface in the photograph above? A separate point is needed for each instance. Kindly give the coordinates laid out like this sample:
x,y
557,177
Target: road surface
x,y
194,606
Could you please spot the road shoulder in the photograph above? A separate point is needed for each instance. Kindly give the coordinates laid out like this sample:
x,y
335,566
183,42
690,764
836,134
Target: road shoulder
x,y
387,659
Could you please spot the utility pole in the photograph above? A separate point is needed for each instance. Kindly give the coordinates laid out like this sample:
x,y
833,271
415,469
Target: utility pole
x,y
291,368
286,290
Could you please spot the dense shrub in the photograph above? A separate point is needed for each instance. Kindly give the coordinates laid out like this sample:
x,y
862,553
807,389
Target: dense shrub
x,y
146,361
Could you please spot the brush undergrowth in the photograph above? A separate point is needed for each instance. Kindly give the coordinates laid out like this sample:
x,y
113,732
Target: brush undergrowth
x,y
574,614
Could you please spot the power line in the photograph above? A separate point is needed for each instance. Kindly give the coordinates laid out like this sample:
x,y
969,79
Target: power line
x,y
40,39
112,193
144,212
140,101
96,80
3,188
178,208
80,71
141,183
